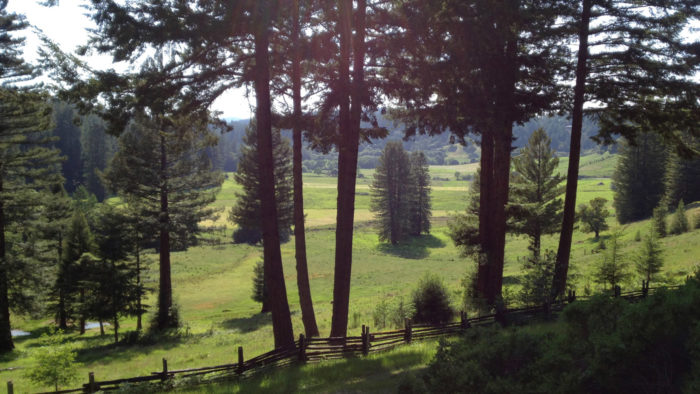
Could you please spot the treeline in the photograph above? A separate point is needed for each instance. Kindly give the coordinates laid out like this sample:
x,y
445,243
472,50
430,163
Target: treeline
x,y
650,175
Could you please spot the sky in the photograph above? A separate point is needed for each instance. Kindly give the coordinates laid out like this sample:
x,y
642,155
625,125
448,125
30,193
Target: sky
x,y
67,25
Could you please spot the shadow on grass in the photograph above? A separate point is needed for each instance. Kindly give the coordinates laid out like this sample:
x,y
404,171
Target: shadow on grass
x,y
413,248
511,280
248,324
348,375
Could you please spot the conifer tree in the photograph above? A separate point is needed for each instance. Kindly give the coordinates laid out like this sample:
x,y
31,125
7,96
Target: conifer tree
x,y
650,260
68,135
659,221
420,204
27,163
391,193
464,227
682,179
679,221
246,213
613,269
161,165
534,203
639,177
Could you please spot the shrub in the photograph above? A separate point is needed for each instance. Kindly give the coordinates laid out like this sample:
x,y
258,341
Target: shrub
x,y
431,301
537,281
250,236
55,362
379,315
659,220
399,313
679,223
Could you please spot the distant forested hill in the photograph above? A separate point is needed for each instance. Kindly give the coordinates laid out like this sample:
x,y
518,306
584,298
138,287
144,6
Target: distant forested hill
x,y
438,149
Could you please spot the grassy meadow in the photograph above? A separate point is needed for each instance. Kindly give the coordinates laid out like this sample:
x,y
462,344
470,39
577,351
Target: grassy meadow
x,y
212,286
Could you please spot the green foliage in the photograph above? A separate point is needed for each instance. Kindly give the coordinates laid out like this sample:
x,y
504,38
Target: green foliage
x,y
55,363
638,236
650,259
250,236
390,190
420,209
683,176
259,292
464,228
380,314
696,221
431,301
602,345
679,221
593,215
613,269
659,220
537,281
639,177
534,206
246,211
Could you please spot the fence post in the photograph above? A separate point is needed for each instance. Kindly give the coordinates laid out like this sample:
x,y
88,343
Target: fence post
x,y
302,348
165,370
365,340
464,321
92,387
240,360
10,387
408,330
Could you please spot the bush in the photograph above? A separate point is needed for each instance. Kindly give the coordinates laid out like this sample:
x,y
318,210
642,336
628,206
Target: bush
x,y
250,236
537,281
399,313
605,345
379,315
679,222
431,301
55,362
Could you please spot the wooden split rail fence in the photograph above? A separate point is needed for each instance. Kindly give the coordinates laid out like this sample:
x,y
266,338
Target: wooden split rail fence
x,y
319,349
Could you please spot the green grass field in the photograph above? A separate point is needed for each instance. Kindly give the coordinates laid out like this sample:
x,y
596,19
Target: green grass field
x,y
212,286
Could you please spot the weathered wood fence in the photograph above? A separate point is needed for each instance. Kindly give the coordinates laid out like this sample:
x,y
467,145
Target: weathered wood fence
x,y
319,349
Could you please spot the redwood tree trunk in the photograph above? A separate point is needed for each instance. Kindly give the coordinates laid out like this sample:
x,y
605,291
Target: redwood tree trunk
x,y
6,343
307,307
139,326
165,296
485,212
274,275
349,127
561,267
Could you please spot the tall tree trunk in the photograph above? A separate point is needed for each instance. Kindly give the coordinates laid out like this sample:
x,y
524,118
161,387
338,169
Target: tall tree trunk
x,y
82,312
501,175
485,212
561,267
62,318
102,327
6,343
116,328
165,296
307,307
274,275
349,127
139,326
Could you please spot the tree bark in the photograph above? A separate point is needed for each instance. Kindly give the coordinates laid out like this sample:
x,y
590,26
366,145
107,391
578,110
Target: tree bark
x,y
349,127
82,313
274,275
307,307
6,343
165,296
561,267
139,326
485,212
62,318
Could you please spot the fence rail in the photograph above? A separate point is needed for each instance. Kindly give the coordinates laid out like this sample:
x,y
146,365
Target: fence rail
x,y
319,349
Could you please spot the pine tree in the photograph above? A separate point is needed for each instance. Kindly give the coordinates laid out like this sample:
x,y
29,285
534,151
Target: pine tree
x,y
650,260
534,202
682,178
613,269
391,193
259,293
27,164
68,143
73,271
659,221
161,166
420,203
679,222
593,215
96,153
464,228
246,213
639,177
